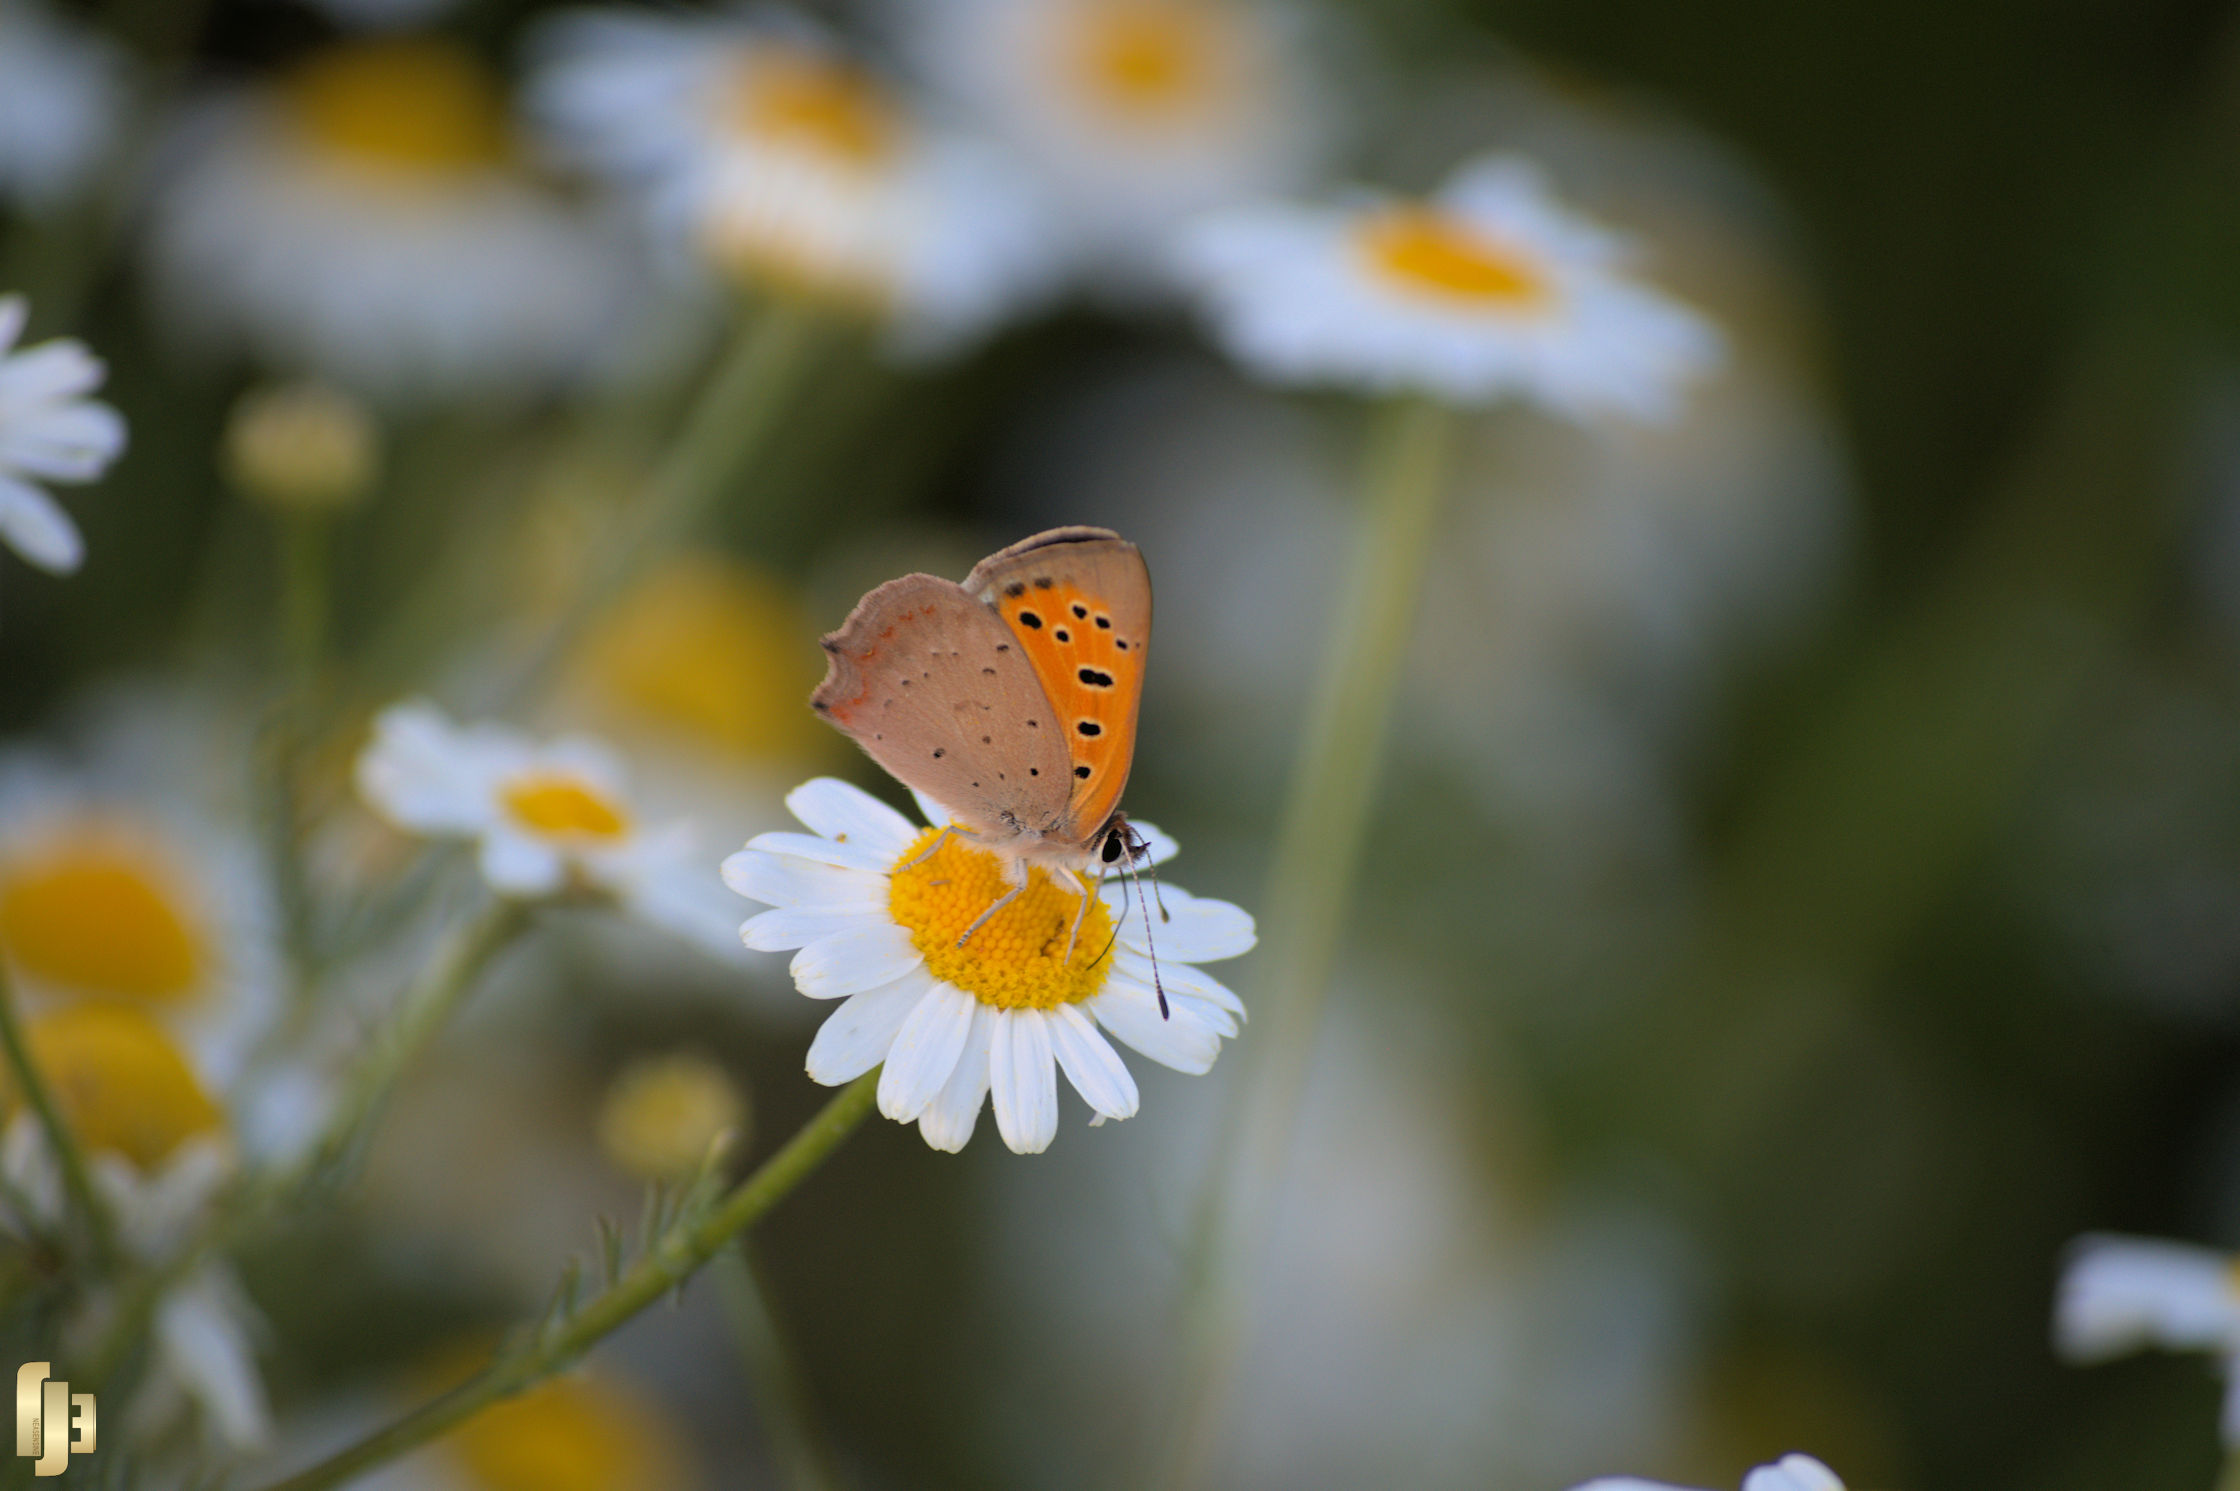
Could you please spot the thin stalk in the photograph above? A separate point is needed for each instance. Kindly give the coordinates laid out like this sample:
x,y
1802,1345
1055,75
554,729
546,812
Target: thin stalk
x,y
781,1388
735,413
305,551
666,1263
69,1156
1310,881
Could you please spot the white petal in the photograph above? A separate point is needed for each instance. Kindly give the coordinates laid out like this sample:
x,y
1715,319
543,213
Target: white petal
x,y
850,815
781,880
426,776
686,897
1024,1081
516,865
824,851
1195,930
1792,1473
789,927
949,1120
851,962
935,814
1175,976
35,526
2120,1293
1091,1065
203,1340
925,1052
1182,1041
14,311
858,1035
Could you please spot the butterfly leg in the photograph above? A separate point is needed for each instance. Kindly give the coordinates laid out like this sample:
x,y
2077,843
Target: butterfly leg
x,y
1081,888
1016,873
927,853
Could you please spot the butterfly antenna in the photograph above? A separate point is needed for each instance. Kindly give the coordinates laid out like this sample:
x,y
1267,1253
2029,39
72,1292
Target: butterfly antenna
x,y
1158,899
1149,946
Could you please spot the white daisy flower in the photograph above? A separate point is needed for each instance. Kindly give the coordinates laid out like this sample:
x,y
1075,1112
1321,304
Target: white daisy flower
x,y
1488,290
59,95
546,819
877,918
49,430
159,1148
123,892
1133,114
753,146
2120,1294
1789,1473
364,219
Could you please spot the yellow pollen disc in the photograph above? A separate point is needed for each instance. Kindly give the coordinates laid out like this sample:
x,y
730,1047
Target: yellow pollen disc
x,y
563,807
418,105
94,919
119,1081
1147,58
791,98
1017,960
1433,251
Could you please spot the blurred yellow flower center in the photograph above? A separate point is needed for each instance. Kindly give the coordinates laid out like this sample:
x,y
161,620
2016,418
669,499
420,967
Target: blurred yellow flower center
x,y
717,651
571,1435
1146,58
96,919
559,806
792,98
662,1116
416,105
1017,960
1430,250
120,1081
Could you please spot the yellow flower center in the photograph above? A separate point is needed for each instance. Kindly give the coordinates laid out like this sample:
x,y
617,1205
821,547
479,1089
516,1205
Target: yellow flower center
x,y
559,806
806,102
98,918
1144,57
572,1434
422,106
1017,960
120,1081
1433,251
662,1115
717,651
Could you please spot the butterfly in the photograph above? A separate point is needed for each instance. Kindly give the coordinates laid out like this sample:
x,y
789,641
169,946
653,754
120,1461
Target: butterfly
x,y
1009,699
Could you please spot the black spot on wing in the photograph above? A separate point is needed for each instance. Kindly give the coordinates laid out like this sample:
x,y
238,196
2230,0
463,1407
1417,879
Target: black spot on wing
x,y
1095,678
1029,620
1089,727
1081,772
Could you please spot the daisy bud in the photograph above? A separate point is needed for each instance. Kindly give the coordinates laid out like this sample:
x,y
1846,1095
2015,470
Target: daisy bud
x,y
301,446
663,1114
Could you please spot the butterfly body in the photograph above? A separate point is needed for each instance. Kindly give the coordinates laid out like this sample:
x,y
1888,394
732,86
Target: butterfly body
x,y
1011,698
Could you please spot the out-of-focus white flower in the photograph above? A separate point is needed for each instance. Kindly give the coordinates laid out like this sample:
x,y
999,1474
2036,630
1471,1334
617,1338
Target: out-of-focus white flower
x,y
2119,1294
877,918
754,146
364,219
1133,114
1789,1473
125,893
49,431
1488,290
59,95
546,819
158,1148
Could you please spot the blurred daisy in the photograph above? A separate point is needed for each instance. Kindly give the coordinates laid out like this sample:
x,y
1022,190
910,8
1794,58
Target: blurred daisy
x,y
1789,1473
59,96
662,1115
2120,1294
119,894
364,219
49,430
1489,290
158,1147
876,918
1133,114
546,819
753,146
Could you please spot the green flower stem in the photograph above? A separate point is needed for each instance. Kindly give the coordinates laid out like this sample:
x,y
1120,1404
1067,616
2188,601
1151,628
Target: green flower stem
x,y
781,1388
729,422
427,1007
666,1263
1318,848
69,1156
305,552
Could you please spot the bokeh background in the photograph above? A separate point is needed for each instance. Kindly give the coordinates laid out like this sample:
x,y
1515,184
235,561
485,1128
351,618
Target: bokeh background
x,y
1805,890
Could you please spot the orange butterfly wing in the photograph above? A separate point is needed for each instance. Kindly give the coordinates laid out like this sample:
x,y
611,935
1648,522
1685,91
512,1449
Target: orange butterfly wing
x,y
1079,601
